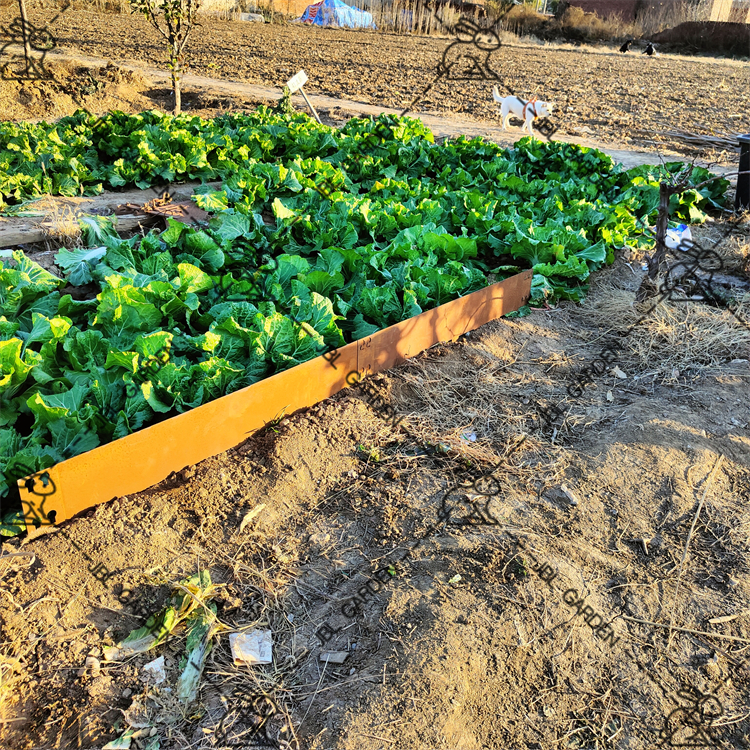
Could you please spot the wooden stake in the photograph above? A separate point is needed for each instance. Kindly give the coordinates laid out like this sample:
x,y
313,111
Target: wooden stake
x,y
312,109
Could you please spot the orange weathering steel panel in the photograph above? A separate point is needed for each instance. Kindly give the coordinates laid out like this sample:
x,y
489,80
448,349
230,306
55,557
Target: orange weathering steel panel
x,y
392,346
138,461
135,462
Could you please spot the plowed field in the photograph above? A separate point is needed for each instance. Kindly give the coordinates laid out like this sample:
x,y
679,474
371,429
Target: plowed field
x,y
627,99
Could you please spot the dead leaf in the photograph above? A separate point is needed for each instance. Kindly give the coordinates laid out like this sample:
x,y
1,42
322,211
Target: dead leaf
x,y
249,516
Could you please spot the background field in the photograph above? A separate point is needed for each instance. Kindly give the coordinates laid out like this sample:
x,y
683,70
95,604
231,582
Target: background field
x,y
624,99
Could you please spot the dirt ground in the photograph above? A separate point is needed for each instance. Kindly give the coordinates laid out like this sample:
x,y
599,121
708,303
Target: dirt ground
x,y
628,99
472,643
100,90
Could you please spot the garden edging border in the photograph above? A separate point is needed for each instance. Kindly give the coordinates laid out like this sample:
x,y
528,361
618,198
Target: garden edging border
x,y
145,458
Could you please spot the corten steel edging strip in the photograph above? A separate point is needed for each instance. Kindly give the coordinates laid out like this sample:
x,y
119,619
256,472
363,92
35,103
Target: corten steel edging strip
x,y
394,345
138,461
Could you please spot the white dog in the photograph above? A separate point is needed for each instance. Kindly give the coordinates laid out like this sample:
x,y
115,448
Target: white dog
x,y
526,111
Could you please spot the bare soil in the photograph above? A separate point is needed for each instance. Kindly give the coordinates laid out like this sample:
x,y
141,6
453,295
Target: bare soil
x,y
68,86
655,530
728,38
629,99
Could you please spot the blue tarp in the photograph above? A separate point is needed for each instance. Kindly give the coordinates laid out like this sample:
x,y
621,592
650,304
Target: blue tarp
x,y
337,13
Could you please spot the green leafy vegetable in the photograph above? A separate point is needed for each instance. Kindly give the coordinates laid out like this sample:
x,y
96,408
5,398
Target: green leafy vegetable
x,y
318,237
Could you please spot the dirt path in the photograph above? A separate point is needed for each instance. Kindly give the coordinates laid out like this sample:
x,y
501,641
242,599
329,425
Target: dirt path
x,y
623,100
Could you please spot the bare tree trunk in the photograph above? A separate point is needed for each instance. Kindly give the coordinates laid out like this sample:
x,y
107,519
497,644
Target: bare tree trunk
x,y
176,70
25,32
661,231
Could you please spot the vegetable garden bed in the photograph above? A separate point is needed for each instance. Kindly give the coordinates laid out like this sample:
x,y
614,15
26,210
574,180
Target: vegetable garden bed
x,y
406,226
107,472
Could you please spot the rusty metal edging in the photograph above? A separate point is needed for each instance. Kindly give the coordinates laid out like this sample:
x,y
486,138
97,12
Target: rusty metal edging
x,y
138,461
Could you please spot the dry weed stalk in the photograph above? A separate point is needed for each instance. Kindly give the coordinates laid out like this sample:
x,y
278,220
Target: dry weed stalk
x,y
409,16
448,397
656,18
735,254
576,25
62,226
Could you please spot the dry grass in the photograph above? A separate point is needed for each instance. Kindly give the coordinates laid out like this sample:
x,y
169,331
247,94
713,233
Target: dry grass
x,y
679,336
481,389
686,336
578,26
735,254
10,666
657,18
734,251
62,226
524,21
573,25
675,336
590,27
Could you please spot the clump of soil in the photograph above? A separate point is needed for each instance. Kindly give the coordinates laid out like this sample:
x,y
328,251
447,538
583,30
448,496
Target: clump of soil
x,y
66,87
61,88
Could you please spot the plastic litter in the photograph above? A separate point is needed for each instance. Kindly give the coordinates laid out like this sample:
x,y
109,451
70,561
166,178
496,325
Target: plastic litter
x,y
155,670
675,236
572,497
255,647
680,233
